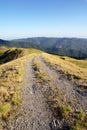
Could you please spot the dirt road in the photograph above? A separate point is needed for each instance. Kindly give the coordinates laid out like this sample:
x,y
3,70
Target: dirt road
x,y
34,112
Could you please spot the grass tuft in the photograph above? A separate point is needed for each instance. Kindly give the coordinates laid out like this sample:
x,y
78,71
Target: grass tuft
x,y
4,110
65,111
11,77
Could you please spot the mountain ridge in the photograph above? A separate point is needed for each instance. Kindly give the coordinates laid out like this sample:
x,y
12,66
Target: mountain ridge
x,y
73,47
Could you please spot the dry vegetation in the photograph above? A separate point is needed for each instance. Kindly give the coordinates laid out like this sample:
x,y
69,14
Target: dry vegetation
x,y
76,120
75,70
11,75
3,49
40,75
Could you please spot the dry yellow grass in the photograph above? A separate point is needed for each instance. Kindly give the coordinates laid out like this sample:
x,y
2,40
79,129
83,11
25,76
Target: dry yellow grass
x,y
10,81
11,76
3,49
76,69
80,63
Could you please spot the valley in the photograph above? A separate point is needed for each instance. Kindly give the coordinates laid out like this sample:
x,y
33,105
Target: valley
x,y
72,47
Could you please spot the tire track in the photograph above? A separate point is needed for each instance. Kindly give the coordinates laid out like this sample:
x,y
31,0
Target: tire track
x,y
34,113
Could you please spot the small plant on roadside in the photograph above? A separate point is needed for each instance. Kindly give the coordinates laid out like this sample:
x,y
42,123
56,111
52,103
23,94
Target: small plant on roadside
x,y
42,76
80,115
16,99
5,110
36,65
65,111
78,125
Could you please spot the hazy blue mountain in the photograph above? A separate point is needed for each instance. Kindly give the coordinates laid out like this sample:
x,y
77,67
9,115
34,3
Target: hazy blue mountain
x,y
74,47
18,44
4,42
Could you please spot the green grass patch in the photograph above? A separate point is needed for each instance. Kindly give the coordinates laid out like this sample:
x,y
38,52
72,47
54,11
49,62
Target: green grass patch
x,y
80,115
4,110
65,111
78,125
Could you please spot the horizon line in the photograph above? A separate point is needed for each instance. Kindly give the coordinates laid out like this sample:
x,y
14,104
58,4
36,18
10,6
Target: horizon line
x,y
19,38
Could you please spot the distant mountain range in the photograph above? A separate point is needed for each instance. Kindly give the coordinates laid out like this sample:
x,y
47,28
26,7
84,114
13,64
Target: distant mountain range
x,y
73,47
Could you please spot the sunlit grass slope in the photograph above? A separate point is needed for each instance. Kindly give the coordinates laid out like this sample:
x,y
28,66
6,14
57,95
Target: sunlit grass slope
x,y
12,54
11,76
12,66
3,49
80,63
74,69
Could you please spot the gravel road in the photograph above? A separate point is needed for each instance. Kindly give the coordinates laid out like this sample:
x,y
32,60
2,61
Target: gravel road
x,y
69,90
34,112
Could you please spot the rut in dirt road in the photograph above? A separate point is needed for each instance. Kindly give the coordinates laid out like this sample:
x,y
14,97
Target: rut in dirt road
x,y
34,113
67,88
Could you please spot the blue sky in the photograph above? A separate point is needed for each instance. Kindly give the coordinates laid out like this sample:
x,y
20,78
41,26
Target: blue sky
x,y
32,18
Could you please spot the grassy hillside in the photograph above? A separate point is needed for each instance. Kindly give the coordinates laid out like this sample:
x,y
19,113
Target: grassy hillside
x,y
72,47
3,49
75,72
11,75
74,69
12,54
